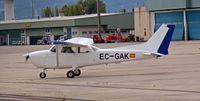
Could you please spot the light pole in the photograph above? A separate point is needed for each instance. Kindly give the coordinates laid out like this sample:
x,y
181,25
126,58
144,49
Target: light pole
x,y
32,8
99,18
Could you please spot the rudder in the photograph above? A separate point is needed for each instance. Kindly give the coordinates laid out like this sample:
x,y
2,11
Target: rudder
x,y
163,49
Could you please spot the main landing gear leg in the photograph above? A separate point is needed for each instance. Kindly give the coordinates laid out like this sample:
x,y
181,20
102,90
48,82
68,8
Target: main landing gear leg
x,y
43,74
73,73
77,72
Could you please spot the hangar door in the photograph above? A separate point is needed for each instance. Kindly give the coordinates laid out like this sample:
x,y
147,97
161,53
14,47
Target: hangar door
x,y
193,18
175,18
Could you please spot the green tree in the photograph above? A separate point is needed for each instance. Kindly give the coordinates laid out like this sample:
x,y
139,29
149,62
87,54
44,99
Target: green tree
x,y
47,12
80,8
70,11
103,7
65,10
90,6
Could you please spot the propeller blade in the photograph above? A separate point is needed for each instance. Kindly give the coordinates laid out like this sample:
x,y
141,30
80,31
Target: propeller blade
x,y
27,57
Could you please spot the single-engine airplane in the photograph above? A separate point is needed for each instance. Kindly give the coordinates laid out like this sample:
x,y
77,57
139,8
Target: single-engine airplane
x,y
79,52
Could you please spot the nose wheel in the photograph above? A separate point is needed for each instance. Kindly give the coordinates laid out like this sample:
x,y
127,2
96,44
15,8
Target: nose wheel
x,y
73,73
43,75
70,74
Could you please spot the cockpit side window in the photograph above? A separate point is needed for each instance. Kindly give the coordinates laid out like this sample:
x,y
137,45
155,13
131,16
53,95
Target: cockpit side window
x,y
67,50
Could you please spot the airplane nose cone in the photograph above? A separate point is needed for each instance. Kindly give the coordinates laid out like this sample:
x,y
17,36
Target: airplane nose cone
x,y
37,58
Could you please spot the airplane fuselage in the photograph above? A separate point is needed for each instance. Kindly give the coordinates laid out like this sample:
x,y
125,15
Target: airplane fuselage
x,y
47,59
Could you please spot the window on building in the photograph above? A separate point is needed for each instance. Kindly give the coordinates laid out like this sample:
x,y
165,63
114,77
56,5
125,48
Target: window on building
x,y
124,31
84,32
90,32
107,31
22,31
47,30
74,32
1,40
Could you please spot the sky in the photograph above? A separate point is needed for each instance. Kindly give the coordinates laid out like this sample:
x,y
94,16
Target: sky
x,y
23,7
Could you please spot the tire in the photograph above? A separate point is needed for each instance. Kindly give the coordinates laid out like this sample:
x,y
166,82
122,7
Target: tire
x,y
70,74
77,72
43,75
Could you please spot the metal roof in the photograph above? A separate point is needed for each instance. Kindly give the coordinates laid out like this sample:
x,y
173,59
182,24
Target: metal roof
x,y
55,18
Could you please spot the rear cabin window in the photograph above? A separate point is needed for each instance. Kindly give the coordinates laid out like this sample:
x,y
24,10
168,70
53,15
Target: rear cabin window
x,y
83,50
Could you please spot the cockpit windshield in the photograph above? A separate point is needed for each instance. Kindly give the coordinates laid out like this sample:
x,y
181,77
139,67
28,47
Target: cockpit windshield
x,y
53,49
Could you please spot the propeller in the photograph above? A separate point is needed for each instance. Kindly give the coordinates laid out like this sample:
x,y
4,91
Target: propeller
x,y
26,57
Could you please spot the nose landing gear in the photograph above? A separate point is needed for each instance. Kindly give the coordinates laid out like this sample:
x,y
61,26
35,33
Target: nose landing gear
x,y
70,74
43,74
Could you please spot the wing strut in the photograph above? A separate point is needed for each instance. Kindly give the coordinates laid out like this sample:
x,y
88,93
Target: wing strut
x,y
57,55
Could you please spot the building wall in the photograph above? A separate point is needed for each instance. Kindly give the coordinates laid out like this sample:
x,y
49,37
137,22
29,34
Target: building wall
x,y
122,20
34,24
43,31
9,9
142,23
195,3
158,5
85,31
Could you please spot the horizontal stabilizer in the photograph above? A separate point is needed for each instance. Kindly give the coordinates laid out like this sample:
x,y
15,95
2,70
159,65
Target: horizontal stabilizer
x,y
157,54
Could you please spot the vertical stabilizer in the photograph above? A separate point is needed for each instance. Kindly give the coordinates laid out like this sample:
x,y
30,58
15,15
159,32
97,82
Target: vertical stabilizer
x,y
159,42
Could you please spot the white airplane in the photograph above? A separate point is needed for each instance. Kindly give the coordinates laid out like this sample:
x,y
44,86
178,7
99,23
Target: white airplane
x,y
79,52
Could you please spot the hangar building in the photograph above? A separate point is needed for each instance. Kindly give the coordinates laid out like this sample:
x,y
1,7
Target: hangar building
x,y
31,30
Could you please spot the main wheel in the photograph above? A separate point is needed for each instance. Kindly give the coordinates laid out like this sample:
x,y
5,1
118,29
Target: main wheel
x,y
77,72
70,74
43,75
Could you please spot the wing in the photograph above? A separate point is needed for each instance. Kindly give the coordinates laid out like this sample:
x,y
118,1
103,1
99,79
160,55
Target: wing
x,y
75,42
